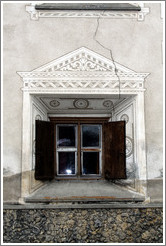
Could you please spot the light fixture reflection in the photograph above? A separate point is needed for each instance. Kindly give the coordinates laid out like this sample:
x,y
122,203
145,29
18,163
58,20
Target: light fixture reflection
x,y
68,171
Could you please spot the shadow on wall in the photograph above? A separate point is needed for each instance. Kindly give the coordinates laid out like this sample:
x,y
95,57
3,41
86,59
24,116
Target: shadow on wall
x,y
12,188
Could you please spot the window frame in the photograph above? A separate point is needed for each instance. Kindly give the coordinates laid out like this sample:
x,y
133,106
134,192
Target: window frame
x,y
66,148
80,121
92,149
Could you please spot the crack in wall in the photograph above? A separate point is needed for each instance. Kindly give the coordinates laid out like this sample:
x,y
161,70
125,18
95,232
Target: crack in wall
x,y
110,52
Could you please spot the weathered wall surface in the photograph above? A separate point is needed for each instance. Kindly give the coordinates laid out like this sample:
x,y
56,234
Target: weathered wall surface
x,y
29,44
83,226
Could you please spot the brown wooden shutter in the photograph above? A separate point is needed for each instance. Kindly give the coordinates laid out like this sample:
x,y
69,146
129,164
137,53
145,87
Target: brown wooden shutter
x,y
114,151
44,166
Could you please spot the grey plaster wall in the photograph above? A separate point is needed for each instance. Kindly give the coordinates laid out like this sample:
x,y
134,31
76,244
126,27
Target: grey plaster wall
x,y
29,44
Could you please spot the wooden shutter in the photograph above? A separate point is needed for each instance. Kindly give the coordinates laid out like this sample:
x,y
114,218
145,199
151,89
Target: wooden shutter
x,y
44,166
114,151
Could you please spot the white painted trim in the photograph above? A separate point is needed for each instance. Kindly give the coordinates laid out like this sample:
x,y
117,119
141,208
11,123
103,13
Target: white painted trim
x,y
140,136
26,145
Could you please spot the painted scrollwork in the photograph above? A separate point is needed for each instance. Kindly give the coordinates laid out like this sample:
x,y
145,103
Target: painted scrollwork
x,y
129,147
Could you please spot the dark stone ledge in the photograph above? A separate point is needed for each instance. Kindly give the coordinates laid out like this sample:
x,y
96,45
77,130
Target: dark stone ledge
x,y
88,6
82,206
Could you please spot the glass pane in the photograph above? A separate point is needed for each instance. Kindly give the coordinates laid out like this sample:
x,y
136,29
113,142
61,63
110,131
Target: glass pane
x,y
66,136
66,162
90,136
90,162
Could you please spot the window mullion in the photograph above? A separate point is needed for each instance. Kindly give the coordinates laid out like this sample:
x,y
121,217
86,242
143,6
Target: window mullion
x,y
79,150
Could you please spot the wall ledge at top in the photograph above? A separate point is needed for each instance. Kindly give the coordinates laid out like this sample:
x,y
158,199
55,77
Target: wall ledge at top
x,y
114,14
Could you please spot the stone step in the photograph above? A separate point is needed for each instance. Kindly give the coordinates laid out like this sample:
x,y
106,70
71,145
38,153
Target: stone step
x,y
84,199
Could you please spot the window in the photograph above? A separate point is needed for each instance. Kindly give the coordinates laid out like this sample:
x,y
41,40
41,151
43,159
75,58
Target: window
x,y
66,149
80,148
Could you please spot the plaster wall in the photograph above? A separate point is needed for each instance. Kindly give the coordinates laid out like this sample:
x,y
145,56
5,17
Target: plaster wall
x,y
29,44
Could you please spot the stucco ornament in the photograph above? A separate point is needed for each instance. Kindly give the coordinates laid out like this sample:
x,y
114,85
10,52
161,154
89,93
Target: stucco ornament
x,y
54,103
125,117
38,117
83,64
129,147
108,104
81,103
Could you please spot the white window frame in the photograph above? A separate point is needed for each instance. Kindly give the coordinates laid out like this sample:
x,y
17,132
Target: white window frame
x,y
66,149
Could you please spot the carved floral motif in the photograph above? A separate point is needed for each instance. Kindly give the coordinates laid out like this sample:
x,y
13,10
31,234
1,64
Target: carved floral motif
x,y
83,64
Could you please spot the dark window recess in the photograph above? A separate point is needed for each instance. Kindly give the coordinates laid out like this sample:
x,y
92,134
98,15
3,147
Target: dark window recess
x,y
90,162
88,6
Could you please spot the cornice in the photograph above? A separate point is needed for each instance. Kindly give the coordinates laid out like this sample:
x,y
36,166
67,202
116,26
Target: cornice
x,y
80,75
36,14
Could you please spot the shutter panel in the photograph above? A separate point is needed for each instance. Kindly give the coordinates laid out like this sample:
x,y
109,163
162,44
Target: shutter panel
x,y
44,166
115,151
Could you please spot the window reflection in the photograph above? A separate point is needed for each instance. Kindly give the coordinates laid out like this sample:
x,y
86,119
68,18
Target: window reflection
x,y
91,135
66,162
66,136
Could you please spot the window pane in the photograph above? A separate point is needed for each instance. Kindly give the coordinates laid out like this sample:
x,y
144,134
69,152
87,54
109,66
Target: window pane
x,y
66,162
66,136
91,136
90,162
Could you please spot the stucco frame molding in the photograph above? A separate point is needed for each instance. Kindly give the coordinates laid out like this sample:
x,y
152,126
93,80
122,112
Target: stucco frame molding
x,y
96,77
36,14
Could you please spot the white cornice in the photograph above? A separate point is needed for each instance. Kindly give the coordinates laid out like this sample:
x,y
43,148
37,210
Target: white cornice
x,y
36,14
80,75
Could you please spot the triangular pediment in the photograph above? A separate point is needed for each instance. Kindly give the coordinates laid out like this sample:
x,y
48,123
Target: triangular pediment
x,y
83,59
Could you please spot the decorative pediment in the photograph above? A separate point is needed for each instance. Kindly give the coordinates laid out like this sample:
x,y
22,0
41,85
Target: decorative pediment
x,y
82,59
83,69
